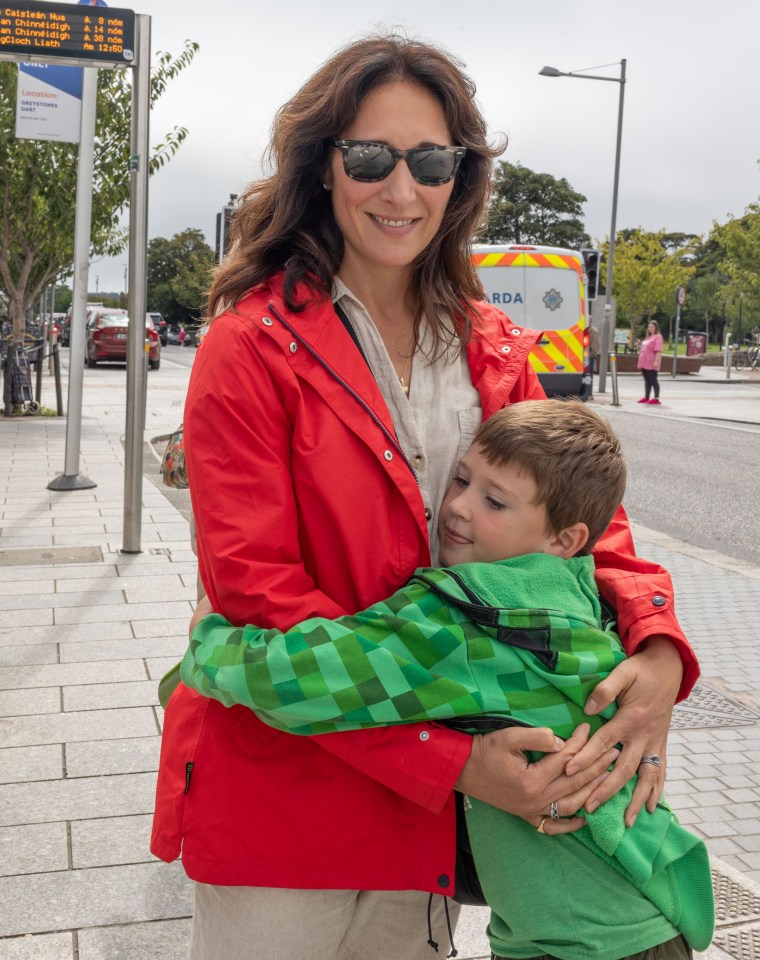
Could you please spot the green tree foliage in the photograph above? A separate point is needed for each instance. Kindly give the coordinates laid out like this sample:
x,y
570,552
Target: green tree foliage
x,y
646,275
739,244
179,273
528,207
38,184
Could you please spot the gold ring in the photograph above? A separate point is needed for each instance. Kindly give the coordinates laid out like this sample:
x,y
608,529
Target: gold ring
x,y
540,827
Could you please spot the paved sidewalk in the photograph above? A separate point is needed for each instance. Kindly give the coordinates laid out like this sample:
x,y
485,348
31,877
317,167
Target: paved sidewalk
x,y
85,633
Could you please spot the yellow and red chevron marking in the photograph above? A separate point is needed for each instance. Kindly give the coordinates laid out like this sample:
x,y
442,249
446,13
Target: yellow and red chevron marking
x,y
525,259
563,348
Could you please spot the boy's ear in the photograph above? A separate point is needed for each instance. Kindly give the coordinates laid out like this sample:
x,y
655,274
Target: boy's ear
x,y
570,541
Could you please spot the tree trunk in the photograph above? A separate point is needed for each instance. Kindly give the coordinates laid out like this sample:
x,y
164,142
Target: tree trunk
x,y
17,314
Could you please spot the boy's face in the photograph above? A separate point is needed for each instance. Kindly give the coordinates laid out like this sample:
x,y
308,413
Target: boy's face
x,y
489,513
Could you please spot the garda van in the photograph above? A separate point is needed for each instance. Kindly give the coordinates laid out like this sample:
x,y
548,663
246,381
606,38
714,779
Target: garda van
x,y
545,288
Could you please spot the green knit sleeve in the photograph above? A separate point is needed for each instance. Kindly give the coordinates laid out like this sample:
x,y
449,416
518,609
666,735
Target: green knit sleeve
x,y
383,666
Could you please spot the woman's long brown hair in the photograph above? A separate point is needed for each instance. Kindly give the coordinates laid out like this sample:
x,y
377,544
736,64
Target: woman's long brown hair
x,y
285,222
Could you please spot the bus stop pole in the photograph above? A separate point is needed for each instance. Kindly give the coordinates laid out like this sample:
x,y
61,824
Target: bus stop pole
x,y
137,299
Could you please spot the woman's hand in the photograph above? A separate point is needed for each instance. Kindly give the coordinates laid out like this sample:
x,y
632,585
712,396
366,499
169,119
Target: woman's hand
x,y
202,609
497,772
645,687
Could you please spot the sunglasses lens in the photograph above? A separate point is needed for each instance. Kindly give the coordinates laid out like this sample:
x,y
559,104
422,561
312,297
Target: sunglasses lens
x,y
433,166
369,161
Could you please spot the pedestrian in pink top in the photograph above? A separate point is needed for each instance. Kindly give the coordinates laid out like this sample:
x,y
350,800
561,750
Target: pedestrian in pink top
x,y
650,354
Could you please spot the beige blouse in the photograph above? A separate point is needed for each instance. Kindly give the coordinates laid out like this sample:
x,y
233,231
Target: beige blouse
x,y
437,422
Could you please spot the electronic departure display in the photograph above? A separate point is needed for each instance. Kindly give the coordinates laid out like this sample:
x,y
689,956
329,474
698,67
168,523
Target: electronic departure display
x,y
69,31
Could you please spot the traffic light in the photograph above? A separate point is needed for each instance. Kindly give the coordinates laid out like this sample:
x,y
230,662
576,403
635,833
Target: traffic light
x,y
223,221
591,266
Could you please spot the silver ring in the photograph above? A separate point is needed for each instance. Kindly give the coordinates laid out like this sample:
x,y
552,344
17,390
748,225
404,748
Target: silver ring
x,y
652,758
554,810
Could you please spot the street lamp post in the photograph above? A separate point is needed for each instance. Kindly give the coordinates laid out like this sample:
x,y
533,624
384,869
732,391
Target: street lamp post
x,y
604,346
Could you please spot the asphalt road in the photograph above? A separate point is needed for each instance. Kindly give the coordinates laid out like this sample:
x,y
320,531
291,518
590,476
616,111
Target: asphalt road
x,y
693,480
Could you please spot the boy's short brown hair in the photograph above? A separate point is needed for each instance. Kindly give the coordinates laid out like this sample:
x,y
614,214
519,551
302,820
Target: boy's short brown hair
x,y
572,454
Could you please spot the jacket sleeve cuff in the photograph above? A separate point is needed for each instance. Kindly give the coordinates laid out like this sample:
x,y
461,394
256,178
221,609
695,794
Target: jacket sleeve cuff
x,y
419,761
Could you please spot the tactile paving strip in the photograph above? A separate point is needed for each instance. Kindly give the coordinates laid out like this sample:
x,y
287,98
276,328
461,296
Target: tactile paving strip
x,y
743,943
708,707
734,903
737,915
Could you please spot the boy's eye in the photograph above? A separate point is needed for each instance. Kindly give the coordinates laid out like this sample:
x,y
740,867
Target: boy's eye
x,y
461,482
495,504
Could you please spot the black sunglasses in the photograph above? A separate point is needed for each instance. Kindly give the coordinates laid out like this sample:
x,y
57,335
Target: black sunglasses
x,y
367,161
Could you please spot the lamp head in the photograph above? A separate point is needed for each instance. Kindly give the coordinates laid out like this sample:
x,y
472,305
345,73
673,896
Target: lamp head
x,y
550,72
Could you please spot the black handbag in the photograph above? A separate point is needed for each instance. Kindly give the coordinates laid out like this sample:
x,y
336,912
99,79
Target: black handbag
x,y
467,888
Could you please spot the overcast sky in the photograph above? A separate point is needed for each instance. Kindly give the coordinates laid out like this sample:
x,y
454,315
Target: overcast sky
x,y
691,130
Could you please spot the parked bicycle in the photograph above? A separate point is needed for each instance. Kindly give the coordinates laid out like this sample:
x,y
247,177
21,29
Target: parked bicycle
x,y
750,357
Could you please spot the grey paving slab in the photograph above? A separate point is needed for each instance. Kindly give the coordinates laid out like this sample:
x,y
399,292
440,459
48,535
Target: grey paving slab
x,y
100,571
51,946
83,524
30,617
161,940
143,580
164,592
177,627
19,703
27,587
20,526
76,799
34,653
33,848
137,611
97,758
104,696
115,650
20,764
66,727
94,897
158,666
66,674
95,596
37,539
69,632
111,840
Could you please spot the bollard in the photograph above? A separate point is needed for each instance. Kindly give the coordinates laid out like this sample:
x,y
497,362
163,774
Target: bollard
x,y
614,379
58,390
38,371
727,354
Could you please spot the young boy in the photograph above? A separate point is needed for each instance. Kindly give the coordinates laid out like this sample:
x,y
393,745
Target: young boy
x,y
511,627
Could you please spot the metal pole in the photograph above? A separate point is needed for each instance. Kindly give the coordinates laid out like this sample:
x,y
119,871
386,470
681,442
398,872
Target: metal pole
x,y
137,300
71,479
606,321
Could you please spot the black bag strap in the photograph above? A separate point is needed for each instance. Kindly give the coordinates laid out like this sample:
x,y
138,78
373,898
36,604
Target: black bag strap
x,y
342,316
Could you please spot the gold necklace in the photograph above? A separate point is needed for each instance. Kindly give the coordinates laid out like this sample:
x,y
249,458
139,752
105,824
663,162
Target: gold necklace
x,y
402,379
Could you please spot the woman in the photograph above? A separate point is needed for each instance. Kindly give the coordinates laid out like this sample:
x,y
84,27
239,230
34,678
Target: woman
x,y
650,355
350,361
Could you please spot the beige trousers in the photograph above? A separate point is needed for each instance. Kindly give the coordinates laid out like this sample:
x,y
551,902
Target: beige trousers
x,y
260,923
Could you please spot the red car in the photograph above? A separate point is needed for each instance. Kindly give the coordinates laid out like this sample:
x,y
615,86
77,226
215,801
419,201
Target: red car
x,y
107,338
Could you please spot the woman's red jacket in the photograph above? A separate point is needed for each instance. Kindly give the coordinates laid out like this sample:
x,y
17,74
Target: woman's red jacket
x,y
305,506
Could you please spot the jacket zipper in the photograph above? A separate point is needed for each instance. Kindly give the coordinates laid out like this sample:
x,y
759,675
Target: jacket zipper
x,y
360,400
